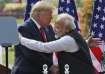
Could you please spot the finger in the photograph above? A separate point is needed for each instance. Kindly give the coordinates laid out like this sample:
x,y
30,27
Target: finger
x,y
97,39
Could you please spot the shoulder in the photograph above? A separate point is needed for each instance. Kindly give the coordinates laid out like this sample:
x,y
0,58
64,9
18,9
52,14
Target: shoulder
x,y
68,40
67,37
69,43
26,26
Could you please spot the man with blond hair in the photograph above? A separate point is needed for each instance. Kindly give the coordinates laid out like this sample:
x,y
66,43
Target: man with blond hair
x,y
28,61
73,52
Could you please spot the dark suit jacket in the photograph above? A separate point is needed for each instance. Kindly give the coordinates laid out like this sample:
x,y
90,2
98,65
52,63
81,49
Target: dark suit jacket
x,y
27,60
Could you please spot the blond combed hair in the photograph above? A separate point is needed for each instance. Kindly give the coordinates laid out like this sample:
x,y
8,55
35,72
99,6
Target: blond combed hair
x,y
40,7
67,20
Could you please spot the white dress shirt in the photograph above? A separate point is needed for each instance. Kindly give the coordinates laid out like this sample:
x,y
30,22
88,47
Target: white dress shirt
x,y
38,26
65,43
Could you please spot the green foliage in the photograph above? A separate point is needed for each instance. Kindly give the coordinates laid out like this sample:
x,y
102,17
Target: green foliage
x,y
2,4
10,56
79,3
6,1
19,20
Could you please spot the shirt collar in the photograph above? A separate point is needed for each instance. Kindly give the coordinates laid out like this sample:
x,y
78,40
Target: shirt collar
x,y
36,23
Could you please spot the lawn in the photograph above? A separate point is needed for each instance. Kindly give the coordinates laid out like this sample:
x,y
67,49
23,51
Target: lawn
x,y
10,56
19,21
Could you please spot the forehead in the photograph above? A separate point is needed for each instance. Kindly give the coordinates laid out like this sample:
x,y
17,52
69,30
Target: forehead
x,y
46,13
60,25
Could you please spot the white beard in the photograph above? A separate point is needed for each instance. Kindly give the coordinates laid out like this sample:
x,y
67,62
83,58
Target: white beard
x,y
57,36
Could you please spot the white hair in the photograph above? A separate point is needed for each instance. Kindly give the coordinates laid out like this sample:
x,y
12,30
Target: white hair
x,y
40,7
67,20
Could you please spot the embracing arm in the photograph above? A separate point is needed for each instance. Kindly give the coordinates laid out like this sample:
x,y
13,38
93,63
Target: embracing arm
x,y
65,43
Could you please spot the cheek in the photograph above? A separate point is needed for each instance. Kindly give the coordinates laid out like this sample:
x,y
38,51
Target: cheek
x,y
47,20
57,30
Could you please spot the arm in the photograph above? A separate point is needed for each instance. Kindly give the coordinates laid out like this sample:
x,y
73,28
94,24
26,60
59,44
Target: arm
x,y
65,43
24,30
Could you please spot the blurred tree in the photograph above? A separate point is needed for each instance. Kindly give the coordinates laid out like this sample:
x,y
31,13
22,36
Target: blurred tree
x,y
12,1
6,1
18,1
2,4
85,14
79,3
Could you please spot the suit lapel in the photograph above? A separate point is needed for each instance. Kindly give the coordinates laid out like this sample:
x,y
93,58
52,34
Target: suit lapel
x,y
34,30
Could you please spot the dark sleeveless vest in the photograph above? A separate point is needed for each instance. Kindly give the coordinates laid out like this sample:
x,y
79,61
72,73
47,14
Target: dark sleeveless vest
x,y
80,61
